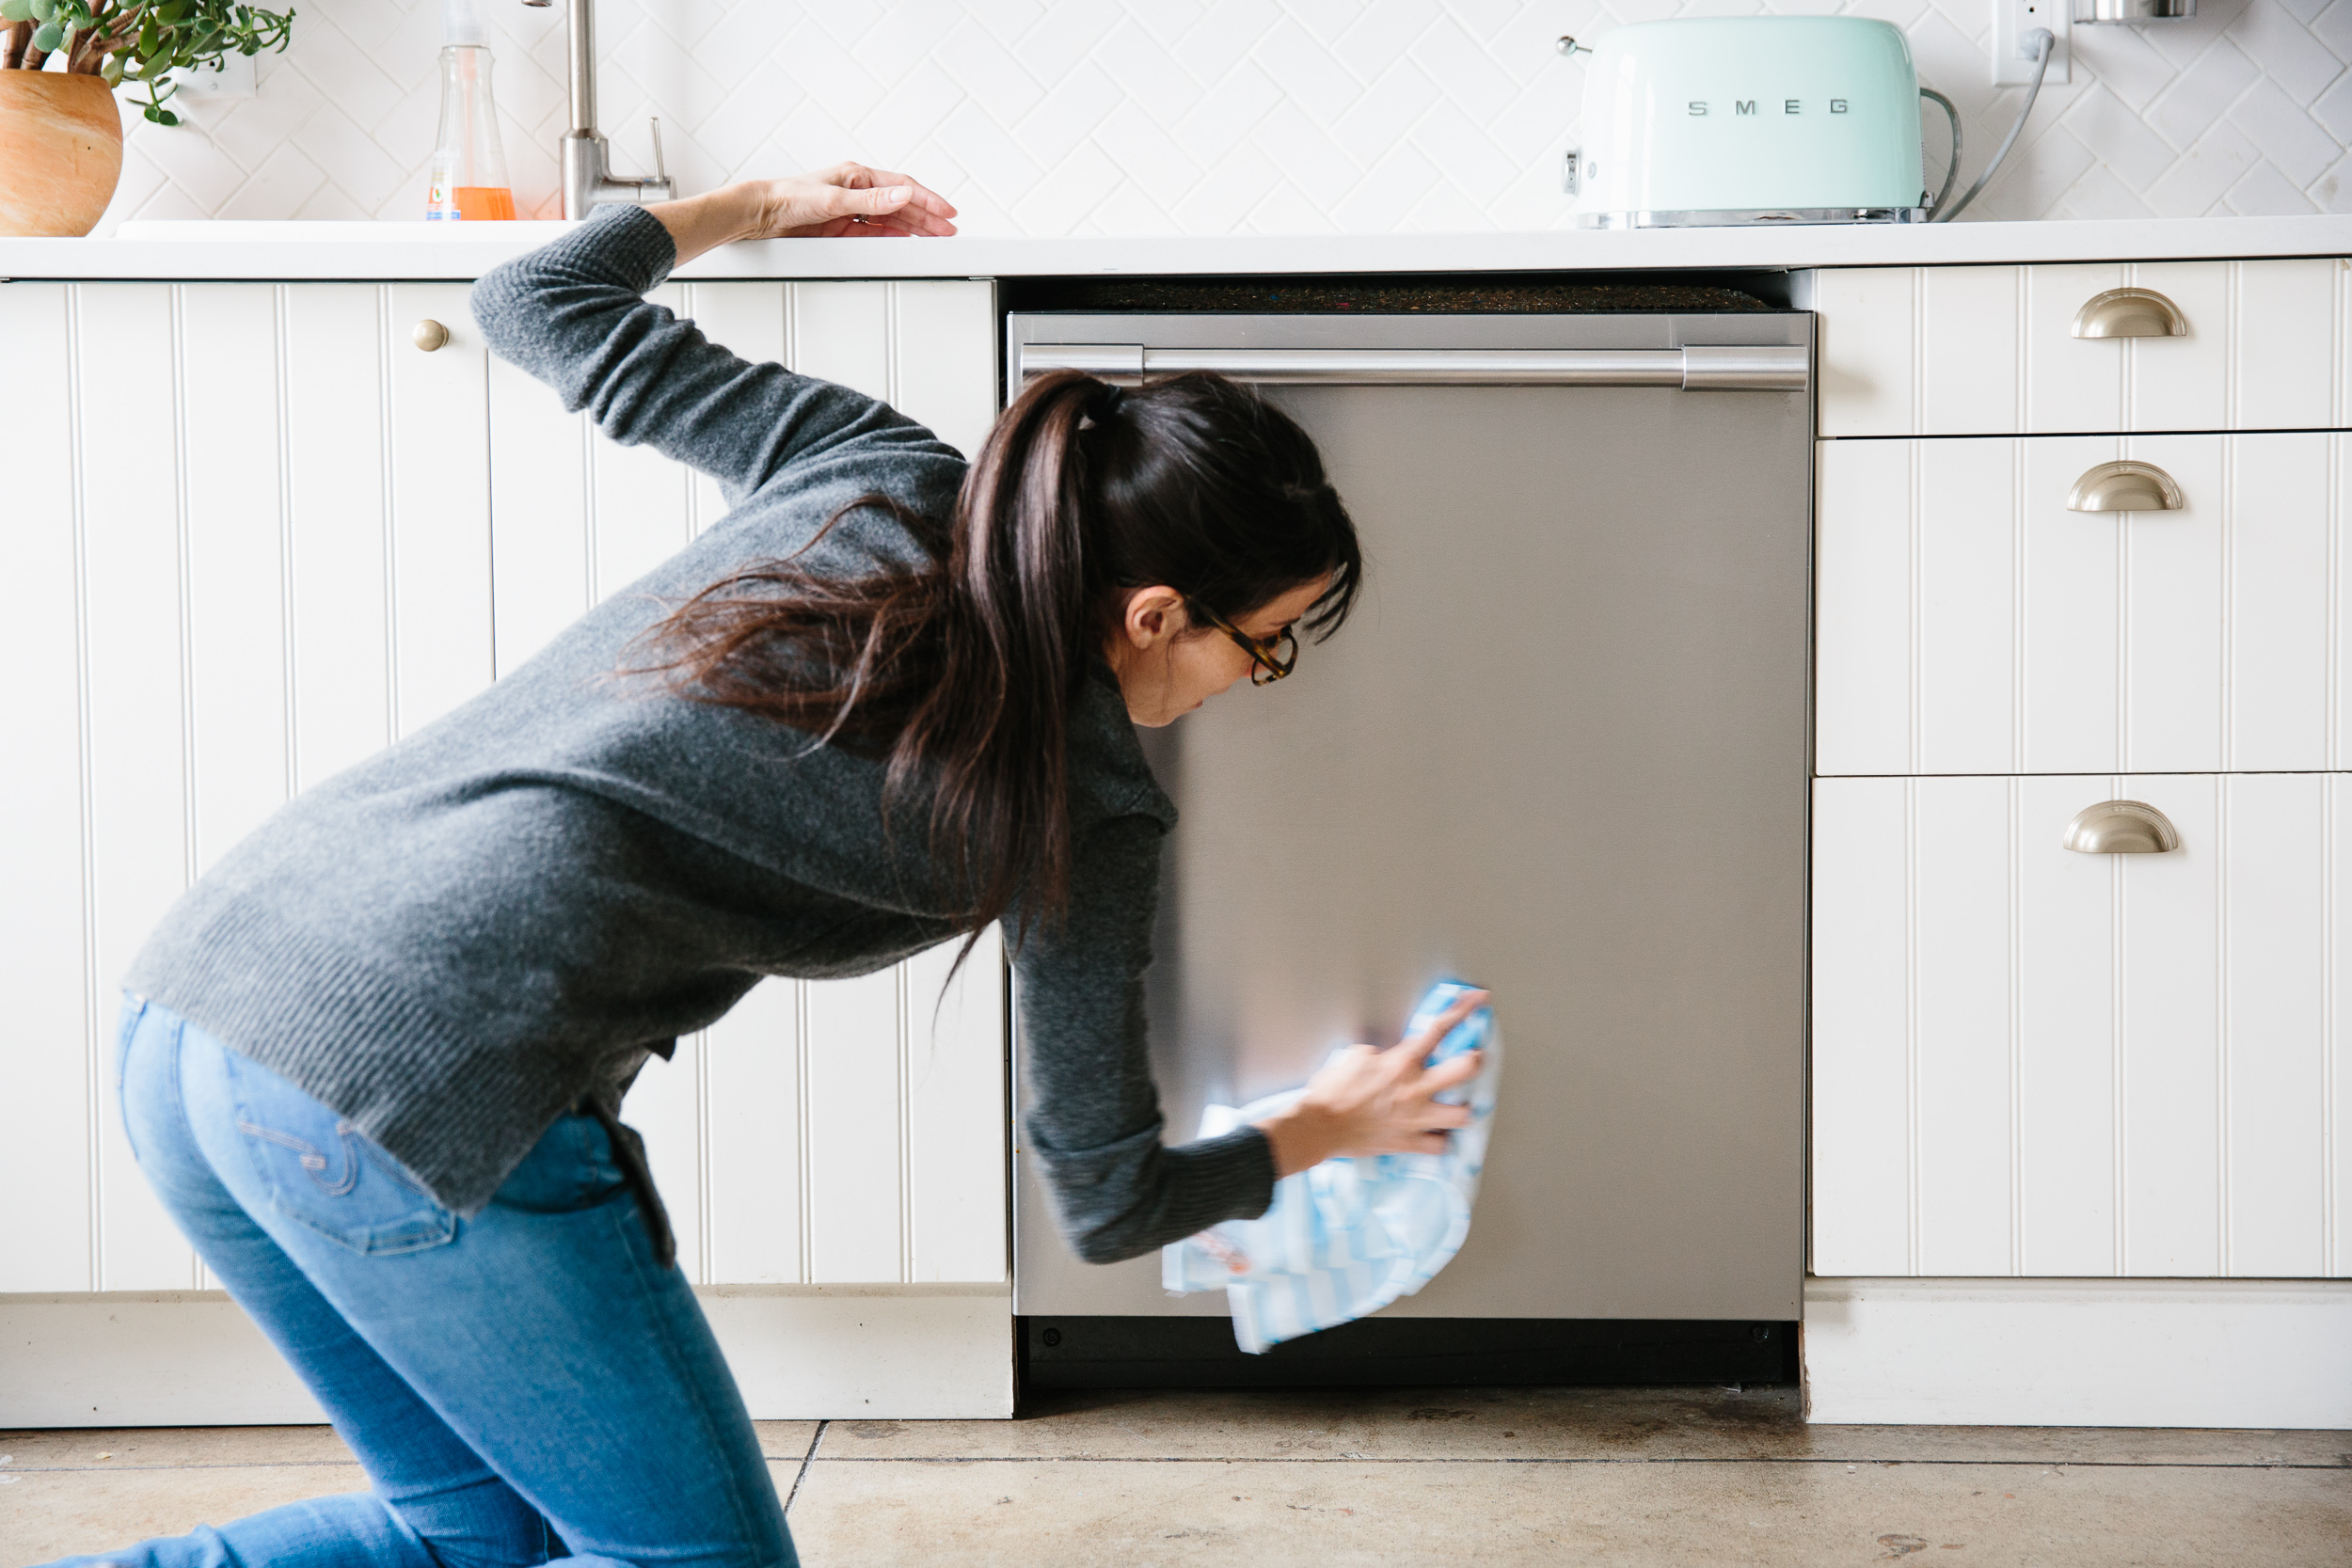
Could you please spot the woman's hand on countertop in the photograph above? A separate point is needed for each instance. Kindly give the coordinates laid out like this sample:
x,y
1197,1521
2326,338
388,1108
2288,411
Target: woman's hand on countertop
x,y
1365,1101
846,200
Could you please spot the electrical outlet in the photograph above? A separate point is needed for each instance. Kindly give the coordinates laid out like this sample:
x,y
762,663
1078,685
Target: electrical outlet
x,y
2014,19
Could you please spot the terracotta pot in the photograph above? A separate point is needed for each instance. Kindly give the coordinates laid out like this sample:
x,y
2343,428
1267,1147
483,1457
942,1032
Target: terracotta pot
x,y
60,151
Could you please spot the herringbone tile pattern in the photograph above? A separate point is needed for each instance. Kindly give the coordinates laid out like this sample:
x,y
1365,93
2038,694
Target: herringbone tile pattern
x,y
1144,117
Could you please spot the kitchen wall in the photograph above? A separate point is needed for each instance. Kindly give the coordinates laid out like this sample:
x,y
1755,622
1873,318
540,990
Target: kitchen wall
x,y
1207,116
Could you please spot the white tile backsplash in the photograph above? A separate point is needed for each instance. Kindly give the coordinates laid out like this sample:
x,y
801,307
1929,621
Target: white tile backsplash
x,y
1128,117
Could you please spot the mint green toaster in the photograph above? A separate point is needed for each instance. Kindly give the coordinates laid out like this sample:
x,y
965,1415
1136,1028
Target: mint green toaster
x,y
1749,120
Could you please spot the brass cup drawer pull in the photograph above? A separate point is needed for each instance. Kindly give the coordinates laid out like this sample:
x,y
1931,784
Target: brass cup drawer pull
x,y
2125,486
2120,828
2130,314
429,334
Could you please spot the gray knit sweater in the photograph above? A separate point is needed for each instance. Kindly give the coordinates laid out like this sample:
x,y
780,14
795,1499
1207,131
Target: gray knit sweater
x,y
498,918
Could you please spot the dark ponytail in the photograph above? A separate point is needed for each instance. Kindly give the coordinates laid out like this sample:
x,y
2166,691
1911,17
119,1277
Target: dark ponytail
x,y
961,673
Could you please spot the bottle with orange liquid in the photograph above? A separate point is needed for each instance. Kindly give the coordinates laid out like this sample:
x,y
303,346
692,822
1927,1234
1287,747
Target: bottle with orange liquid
x,y
468,169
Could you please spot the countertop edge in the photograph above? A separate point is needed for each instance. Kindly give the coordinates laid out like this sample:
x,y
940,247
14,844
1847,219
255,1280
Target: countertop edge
x,y
222,253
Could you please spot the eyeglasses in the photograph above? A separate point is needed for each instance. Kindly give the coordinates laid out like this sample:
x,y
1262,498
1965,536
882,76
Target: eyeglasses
x,y
1269,662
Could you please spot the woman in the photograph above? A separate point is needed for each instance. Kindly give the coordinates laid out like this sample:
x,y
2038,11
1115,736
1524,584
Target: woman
x,y
372,1061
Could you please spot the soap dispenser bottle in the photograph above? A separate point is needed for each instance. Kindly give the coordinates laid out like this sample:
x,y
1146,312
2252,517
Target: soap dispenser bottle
x,y
468,169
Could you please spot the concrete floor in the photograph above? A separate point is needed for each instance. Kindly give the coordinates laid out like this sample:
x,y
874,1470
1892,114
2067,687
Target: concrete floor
x,y
1648,1476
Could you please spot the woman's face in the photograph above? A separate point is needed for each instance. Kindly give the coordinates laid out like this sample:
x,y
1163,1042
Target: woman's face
x,y
1167,666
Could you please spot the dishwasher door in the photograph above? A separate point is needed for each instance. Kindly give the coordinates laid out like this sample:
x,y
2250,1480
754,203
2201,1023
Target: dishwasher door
x,y
1560,750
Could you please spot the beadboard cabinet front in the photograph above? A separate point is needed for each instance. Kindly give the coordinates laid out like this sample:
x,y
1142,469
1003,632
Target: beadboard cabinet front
x,y
1966,351
265,534
1969,622
2033,1061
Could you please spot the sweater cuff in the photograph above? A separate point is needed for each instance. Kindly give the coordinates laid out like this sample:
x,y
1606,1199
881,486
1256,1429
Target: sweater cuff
x,y
1238,1166
624,242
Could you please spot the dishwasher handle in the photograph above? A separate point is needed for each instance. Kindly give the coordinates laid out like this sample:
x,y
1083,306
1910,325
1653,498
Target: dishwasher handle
x,y
1761,368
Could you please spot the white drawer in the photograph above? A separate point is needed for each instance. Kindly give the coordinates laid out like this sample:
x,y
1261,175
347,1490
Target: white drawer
x,y
2033,1061
1963,351
1969,622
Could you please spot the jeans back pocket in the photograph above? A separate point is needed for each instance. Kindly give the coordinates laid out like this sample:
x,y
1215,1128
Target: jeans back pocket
x,y
323,1173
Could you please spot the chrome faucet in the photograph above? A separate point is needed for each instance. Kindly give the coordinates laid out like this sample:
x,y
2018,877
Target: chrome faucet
x,y
588,177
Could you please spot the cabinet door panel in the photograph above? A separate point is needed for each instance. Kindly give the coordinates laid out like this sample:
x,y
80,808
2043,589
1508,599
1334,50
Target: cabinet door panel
x,y
957,1162
1970,623
2071,384
49,1111
2274,1023
1969,381
2072,611
2171,979
842,332
135,691
2288,341
1961,1005
238,593
540,551
2184,383
321,538
2126,1059
1967,607
1868,330
1954,351
944,329
2281,526
2173,566
1862,564
2067,1047
856,1138
1861,1056
340,522
441,512
755,1151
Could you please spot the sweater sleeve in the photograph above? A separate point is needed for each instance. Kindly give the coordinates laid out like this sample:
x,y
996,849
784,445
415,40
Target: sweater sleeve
x,y
1094,1122
573,315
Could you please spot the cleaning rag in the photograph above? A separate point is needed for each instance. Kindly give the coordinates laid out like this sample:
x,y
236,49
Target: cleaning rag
x,y
1347,1237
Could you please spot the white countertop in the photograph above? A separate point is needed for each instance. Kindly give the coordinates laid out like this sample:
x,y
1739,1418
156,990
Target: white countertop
x,y
287,250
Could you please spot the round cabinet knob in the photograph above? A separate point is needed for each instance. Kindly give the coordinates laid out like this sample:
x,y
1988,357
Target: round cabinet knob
x,y
2125,486
2130,314
2120,828
429,334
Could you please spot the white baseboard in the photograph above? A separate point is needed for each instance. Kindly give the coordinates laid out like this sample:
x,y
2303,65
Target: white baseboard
x,y
2094,1353
886,1352
800,1352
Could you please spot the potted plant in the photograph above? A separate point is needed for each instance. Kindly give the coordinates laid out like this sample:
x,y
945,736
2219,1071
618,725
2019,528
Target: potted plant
x,y
61,136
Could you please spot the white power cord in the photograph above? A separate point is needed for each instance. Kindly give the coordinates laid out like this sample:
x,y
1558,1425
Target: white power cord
x,y
2042,46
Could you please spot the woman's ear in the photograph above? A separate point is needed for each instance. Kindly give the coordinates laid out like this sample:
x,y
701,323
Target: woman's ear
x,y
1153,617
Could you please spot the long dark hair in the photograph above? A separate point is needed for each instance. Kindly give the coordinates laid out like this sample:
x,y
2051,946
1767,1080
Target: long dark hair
x,y
961,671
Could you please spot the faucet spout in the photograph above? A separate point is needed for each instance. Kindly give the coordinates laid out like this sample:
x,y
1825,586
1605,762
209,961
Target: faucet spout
x,y
589,182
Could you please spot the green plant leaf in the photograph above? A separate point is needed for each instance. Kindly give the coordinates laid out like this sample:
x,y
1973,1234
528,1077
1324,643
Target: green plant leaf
x,y
48,35
43,9
111,72
16,10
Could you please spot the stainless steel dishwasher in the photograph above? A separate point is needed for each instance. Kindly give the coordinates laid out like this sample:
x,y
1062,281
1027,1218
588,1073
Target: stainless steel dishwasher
x,y
1560,750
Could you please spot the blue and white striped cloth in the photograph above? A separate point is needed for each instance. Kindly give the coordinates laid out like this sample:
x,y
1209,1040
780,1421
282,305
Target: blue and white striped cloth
x,y
1345,1238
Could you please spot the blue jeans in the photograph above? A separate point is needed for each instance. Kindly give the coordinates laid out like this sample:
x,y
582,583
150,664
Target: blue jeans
x,y
524,1385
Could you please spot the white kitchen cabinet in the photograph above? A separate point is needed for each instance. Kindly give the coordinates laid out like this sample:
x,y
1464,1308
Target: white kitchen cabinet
x,y
1963,351
1968,622
265,535
2032,1061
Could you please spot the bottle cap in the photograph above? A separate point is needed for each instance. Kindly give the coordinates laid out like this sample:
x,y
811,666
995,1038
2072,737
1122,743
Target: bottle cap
x,y
461,23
